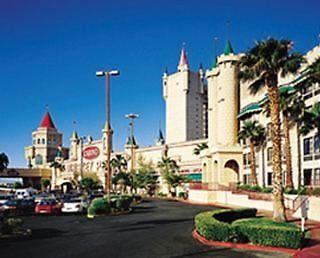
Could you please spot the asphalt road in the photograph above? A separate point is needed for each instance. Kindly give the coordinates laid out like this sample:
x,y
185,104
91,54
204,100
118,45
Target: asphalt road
x,y
155,229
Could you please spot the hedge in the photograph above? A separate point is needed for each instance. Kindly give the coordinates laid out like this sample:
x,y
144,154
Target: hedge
x,y
99,206
264,231
241,225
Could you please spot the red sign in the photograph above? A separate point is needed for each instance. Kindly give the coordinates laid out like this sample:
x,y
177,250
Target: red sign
x,y
91,152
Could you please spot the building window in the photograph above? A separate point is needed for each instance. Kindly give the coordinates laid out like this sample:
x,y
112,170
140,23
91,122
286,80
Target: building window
x,y
34,141
269,178
54,141
38,141
38,159
246,179
307,176
317,144
269,155
307,143
43,141
49,141
316,176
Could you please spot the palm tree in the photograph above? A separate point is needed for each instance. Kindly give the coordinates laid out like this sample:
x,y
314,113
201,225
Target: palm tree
x,y
260,67
167,165
291,106
168,169
119,163
311,120
200,147
4,161
255,133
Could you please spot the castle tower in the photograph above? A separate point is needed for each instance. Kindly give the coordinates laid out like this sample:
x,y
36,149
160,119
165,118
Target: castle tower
x,y
74,142
223,92
223,159
46,141
185,96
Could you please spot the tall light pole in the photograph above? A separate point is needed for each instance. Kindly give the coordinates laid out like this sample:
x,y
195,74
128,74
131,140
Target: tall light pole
x,y
131,124
107,75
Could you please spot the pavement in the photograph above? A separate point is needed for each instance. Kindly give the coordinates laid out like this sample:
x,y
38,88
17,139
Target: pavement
x,y
156,228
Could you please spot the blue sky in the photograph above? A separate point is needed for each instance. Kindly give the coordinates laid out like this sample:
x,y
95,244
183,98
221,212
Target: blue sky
x,y
50,50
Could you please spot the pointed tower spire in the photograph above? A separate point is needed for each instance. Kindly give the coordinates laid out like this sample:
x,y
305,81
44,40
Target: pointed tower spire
x,y
214,63
183,63
228,48
47,121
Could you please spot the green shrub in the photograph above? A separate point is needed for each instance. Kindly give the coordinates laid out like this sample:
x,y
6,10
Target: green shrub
x,y
266,190
302,191
256,188
264,231
291,191
123,202
181,194
209,225
316,191
99,206
241,225
161,194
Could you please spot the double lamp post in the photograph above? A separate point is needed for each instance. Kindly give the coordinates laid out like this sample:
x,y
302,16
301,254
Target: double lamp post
x,y
107,75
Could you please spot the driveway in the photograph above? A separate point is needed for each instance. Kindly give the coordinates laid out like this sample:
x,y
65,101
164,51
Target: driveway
x,y
156,228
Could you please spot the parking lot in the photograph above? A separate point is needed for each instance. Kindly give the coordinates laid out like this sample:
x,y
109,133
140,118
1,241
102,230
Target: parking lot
x,y
155,228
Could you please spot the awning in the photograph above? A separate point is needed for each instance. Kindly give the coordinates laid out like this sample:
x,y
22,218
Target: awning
x,y
249,109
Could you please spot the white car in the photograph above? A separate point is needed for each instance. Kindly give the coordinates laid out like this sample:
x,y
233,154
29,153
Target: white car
x,y
75,205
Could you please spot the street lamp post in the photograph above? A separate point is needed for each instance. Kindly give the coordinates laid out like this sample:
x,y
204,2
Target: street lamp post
x,y
81,156
131,124
107,75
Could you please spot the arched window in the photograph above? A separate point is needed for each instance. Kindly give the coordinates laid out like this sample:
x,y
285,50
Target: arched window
x,y
38,141
43,141
38,159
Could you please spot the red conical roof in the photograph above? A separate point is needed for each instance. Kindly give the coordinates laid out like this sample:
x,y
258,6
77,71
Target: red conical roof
x,y
47,121
183,58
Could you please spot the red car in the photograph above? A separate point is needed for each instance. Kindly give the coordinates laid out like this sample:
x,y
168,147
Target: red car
x,y
48,206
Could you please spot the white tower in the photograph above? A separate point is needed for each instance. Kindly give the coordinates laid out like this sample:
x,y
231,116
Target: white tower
x,y
185,98
222,161
74,142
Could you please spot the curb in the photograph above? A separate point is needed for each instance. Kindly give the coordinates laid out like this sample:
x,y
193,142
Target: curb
x,y
207,242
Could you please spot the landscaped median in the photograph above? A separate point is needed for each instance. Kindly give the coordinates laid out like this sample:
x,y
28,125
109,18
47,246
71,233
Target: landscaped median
x,y
242,226
120,204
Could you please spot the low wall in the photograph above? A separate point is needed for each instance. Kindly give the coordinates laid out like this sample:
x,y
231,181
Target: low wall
x,y
242,200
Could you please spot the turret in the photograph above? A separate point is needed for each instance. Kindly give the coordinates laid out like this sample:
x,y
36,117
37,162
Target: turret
x,y
223,84
160,141
74,142
185,102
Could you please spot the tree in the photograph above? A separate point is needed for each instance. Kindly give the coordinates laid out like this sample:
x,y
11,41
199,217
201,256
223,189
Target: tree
x,y
145,177
45,183
169,172
89,183
291,106
311,120
4,161
200,147
255,133
122,179
17,185
174,180
260,67
119,163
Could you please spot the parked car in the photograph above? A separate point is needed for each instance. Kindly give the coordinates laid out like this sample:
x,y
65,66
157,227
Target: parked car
x,y
5,197
25,193
43,196
9,207
48,206
75,205
25,206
